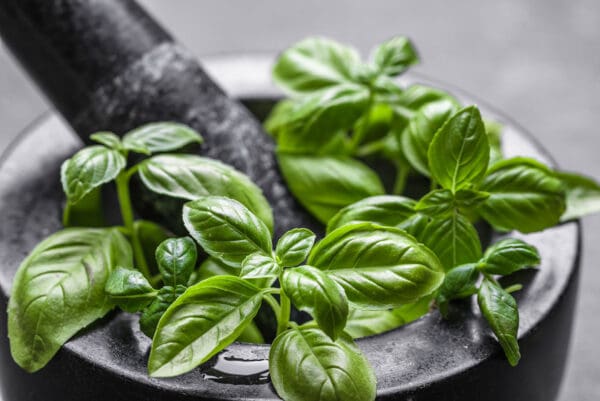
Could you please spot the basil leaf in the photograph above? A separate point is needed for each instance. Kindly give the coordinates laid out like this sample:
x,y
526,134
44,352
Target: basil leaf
x,y
314,64
88,169
259,265
394,56
107,139
150,236
160,137
176,259
460,282
281,116
87,212
59,290
509,255
500,310
153,313
524,195
325,184
460,152
453,238
226,229
129,289
293,247
416,97
312,291
421,129
322,369
494,133
411,312
442,202
205,319
378,267
583,195
192,177
251,334
362,323
385,210
213,267
317,118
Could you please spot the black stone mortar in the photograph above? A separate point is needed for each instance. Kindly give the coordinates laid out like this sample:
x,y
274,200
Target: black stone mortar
x,y
429,359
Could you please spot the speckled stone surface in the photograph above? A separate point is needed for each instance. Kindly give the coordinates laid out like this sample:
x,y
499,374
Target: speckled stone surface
x,y
430,359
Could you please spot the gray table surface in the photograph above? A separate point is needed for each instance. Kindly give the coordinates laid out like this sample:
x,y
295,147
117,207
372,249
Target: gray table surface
x,y
538,61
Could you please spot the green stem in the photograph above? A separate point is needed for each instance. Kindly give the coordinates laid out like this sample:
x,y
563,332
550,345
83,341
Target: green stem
x,y
401,177
127,215
433,185
274,305
284,315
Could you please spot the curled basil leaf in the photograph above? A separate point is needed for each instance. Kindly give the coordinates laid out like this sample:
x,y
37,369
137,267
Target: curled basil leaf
x,y
509,255
107,139
294,246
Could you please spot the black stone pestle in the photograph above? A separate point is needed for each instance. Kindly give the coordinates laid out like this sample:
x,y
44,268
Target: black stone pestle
x,y
107,65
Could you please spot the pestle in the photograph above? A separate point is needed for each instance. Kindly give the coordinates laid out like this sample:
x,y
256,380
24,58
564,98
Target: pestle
x,y
106,65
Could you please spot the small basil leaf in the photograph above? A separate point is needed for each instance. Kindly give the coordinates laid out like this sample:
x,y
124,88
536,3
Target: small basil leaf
x,y
88,169
129,289
59,289
385,210
314,64
453,238
176,259
107,139
312,291
583,195
494,133
460,152
378,267
326,184
87,212
150,236
317,118
362,323
460,282
394,56
421,129
524,195
205,319
294,246
509,255
226,229
160,137
152,314
500,310
259,265
322,369
191,177
416,97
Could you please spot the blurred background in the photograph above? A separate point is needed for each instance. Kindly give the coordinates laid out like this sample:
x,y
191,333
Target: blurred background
x,y
536,61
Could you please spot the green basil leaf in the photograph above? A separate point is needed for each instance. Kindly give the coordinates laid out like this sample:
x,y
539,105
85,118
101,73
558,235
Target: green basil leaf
x,y
205,319
494,133
259,265
176,259
87,212
500,310
88,169
363,323
378,267
460,282
322,369
509,255
583,195
416,97
394,56
153,313
59,290
453,238
524,195
411,312
294,246
214,267
442,202
312,291
192,177
385,210
281,116
314,64
150,236
226,229
326,184
317,118
460,152
251,334
160,137
129,289
421,128
107,139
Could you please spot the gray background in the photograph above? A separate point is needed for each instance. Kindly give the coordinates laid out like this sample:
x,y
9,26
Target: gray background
x,y
538,61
